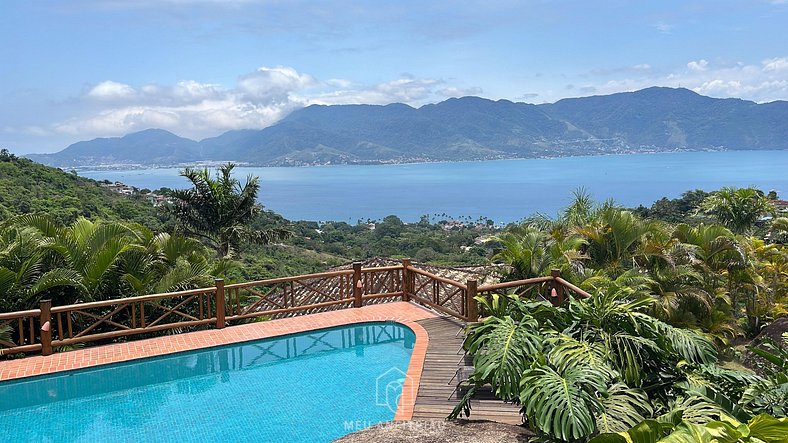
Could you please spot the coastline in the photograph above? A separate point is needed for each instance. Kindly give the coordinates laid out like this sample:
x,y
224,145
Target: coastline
x,y
243,164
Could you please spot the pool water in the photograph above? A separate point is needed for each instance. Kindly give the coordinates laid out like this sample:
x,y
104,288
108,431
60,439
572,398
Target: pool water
x,y
308,387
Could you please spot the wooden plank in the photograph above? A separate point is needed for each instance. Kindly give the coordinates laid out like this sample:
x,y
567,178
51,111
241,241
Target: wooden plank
x,y
435,400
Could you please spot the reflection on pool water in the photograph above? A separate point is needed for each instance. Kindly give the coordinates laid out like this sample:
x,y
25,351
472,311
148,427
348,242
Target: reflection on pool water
x,y
313,387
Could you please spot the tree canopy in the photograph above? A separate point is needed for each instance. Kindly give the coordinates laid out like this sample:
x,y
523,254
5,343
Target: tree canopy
x,y
220,210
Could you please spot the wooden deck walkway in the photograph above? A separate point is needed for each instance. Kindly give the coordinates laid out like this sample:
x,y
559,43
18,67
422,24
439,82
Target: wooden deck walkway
x,y
432,400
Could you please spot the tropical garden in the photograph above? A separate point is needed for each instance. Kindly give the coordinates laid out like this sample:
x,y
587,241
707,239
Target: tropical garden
x,y
655,354
102,259
662,351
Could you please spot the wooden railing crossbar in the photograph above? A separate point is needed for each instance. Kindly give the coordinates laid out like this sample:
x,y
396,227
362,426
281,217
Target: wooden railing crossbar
x,y
285,296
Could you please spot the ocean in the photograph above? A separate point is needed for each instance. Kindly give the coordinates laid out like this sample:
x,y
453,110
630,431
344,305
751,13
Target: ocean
x,y
502,190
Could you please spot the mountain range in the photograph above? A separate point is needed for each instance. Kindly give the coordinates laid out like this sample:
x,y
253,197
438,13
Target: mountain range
x,y
470,128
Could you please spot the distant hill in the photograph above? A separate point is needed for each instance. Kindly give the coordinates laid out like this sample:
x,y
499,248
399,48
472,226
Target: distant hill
x,y
468,128
29,187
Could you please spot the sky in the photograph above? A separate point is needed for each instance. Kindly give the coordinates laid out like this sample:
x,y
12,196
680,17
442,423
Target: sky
x,y
80,69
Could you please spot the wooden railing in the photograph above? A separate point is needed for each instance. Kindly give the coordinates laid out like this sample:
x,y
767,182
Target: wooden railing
x,y
24,331
49,327
552,288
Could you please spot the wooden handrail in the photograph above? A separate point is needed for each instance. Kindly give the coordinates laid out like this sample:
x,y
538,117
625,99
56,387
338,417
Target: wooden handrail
x,y
573,288
20,314
448,281
382,269
275,281
129,300
347,288
513,284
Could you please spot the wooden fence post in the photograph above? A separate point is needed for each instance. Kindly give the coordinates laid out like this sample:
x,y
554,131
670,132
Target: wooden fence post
x,y
406,280
45,320
220,303
357,284
471,305
557,289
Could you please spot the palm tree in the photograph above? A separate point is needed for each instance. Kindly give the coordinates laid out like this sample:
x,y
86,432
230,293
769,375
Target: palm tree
x,y
91,253
779,230
166,263
737,208
530,252
219,211
24,274
614,238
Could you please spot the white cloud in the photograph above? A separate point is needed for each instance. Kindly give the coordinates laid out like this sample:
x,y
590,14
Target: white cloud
x,y
273,84
764,81
258,99
110,90
664,28
776,64
699,65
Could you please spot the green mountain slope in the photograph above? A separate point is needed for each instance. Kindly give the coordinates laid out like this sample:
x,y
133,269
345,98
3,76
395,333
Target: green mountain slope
x,y
29,187
468,128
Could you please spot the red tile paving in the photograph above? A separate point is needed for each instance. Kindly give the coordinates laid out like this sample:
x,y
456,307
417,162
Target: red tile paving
x,y
400,312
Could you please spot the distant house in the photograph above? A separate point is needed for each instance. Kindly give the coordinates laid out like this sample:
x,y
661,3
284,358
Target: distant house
x,y
156,199
781,206
120,188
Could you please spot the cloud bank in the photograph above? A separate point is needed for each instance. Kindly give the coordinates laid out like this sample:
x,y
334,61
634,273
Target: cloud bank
x,y
260,98
257,99
762,82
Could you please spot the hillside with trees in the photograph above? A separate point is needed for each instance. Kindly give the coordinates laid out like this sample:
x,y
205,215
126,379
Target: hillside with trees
x,y
662,350
31,188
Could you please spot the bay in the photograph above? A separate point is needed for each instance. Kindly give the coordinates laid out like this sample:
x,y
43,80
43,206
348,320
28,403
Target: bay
x,y
503,190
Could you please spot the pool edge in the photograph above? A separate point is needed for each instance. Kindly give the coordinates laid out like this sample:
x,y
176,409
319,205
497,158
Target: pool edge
x,y
406,314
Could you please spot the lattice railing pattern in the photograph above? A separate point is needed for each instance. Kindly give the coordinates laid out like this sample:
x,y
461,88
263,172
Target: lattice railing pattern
x,y
135,315
439,293
47,327
289,296
381,285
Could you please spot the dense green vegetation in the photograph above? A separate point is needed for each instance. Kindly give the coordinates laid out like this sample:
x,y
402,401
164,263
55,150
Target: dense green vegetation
x,y
30,188
639,360
90,261
654,355
605,366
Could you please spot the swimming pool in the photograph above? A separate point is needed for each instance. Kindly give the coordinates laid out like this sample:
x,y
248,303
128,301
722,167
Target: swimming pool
x,y
312,387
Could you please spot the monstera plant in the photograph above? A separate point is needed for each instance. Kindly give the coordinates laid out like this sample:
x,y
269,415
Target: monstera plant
x,y
603,368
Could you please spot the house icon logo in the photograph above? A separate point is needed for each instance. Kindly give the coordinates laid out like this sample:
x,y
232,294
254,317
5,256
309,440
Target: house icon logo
x,y
389,388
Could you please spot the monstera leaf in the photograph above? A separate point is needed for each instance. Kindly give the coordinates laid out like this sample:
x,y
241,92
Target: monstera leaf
x,y
563,405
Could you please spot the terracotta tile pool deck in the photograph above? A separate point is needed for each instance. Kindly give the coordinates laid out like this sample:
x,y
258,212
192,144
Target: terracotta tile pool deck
x,y
401,312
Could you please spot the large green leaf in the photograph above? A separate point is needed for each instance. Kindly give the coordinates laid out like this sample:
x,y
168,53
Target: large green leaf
x,y
622,409
647,431
562,405
568,352
688,433
768,396
723,432
693,408
684,343
769,429
502,350
726,404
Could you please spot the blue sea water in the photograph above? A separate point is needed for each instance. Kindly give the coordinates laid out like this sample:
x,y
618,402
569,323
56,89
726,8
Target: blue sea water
x,y
309,387
503,190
